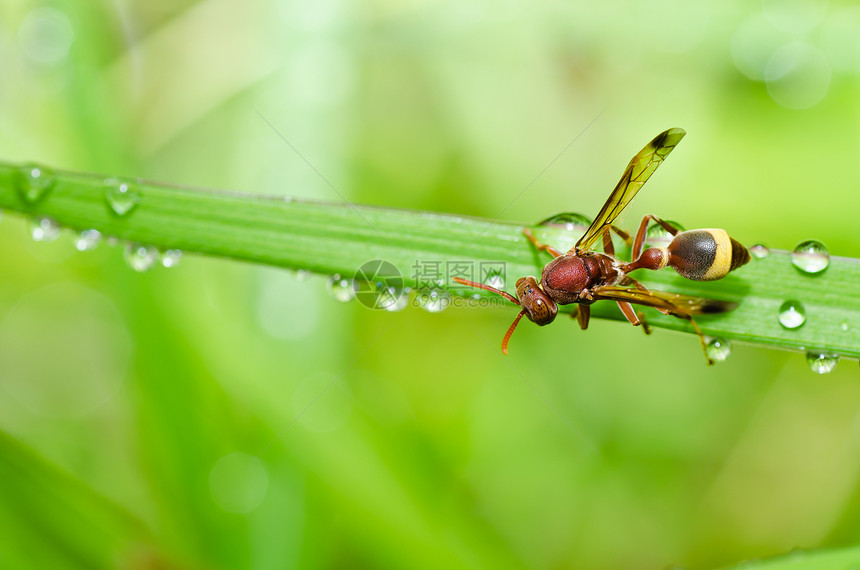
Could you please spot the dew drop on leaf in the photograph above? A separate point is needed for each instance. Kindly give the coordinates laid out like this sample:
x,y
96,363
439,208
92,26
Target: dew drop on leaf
x,y
759,251
495,280
140,257
378,284
657,236
34,182
171,257
44,229
121,196
810,257
718,349
87,240
433,300
567,220
792,314
393,299
340,288
821,362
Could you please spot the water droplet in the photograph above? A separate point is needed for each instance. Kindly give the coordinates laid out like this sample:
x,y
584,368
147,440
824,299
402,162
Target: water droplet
x,y
171,257
759,251
380,295
340,288
567,220
810,256
844,327
792,314
821,362
378,284
238,483
44,229
433,300
393,299
87,240
122,196
140,257
34,182
657,236
302,274
718,348
496,280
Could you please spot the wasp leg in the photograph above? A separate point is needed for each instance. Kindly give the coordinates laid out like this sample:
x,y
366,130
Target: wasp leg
x,y
541,246
640,234
636,318
701,337
645,328
622,234
582,314
608,246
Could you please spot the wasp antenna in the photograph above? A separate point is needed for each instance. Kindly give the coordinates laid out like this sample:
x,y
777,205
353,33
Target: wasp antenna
x,y
511,331
507,296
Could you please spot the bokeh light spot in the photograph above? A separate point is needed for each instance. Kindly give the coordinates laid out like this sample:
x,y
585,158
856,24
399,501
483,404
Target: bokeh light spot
x,y
753,45
798,76
238,483
795,16
45,36
840,39
64,350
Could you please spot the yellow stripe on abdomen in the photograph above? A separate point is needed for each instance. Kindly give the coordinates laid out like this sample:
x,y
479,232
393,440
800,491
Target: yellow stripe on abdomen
x,y
722,263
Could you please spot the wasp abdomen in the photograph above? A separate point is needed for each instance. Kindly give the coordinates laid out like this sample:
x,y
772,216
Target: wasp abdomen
x,y
705,255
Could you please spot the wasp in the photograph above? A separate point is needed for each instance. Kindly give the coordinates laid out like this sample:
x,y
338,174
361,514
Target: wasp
x,y
584,276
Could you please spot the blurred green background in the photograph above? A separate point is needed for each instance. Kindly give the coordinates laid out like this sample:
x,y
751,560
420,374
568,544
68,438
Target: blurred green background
x,y
224,415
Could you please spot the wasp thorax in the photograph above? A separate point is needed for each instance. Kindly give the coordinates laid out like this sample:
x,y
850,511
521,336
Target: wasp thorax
x,y
564,278
540,308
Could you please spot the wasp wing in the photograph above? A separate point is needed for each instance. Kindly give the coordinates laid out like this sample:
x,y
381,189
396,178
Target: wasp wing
x,y
671,303
637,173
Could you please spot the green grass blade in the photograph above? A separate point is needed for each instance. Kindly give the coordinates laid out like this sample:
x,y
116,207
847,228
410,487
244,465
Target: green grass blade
x,y
59,522
839,559
338,238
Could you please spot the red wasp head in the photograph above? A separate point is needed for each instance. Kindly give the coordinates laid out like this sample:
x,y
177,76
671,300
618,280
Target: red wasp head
x,y
536,304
